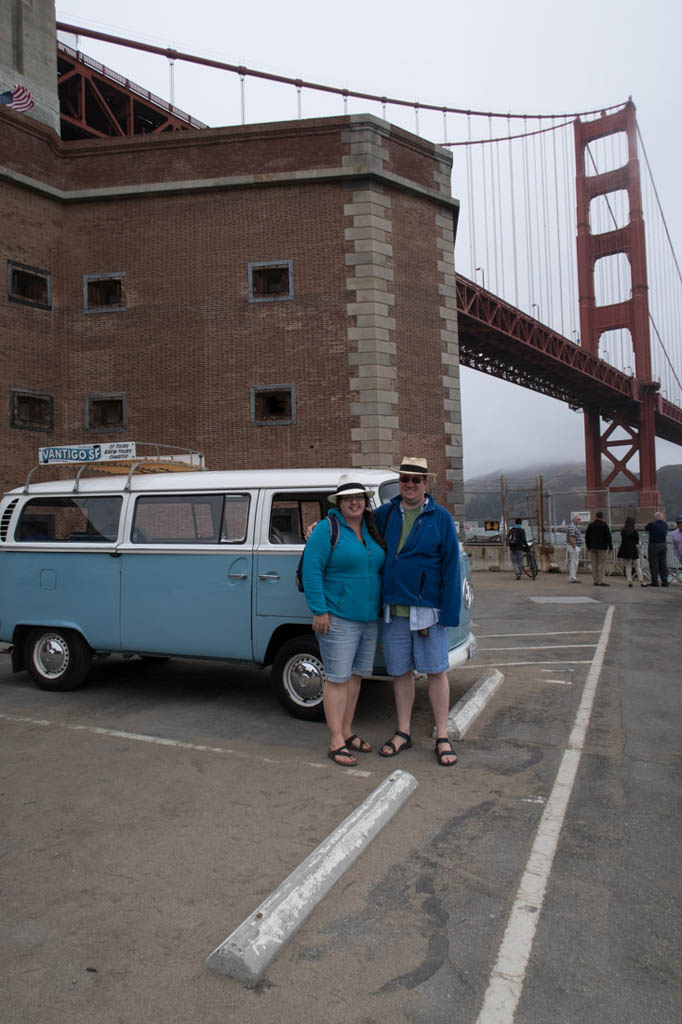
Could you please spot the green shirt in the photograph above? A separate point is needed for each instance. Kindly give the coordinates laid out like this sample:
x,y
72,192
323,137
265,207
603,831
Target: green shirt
x,y
402,611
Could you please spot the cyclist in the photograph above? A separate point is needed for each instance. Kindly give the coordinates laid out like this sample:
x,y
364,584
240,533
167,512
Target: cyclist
x,y
518,545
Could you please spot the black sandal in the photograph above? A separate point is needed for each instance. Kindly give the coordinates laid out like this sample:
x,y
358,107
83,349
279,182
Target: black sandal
x,y
397,750
363,748
440,754
334,756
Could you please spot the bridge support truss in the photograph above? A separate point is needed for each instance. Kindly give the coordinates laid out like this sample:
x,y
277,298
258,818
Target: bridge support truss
x,y
633,314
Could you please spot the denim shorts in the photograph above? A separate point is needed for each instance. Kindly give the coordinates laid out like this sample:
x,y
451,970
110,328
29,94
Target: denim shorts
x,y
405,650
347,649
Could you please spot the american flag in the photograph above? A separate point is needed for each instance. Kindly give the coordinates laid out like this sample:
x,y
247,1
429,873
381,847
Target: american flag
x,y
19,98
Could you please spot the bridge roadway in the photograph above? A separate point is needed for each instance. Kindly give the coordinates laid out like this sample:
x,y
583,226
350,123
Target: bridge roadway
x,y
146,815
501,340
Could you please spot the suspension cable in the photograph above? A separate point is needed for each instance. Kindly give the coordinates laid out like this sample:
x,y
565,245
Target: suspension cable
x,y
658,201
556,212
172,54
513,215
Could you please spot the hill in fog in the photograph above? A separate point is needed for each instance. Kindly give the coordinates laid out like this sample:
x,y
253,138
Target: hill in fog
x,y
565,482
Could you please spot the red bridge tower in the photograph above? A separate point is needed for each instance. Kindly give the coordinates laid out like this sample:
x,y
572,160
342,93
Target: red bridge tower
x,y
632,314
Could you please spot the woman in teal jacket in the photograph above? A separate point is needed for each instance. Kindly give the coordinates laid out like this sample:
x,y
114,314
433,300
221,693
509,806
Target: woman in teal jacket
x,y
342,584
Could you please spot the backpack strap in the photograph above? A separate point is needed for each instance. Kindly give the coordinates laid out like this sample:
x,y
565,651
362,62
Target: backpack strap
x,y
333,530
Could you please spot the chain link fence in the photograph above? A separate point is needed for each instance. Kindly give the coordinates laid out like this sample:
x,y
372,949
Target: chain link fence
x,y
545,516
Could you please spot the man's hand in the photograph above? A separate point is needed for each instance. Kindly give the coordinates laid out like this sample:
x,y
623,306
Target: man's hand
x,y
310,529
321,623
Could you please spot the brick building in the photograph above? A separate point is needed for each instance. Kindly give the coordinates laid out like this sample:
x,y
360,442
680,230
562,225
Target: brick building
x,y
273,295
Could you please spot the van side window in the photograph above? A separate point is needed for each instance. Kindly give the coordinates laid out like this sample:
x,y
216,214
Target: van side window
x,y
79,519
292,514
235,519
191,519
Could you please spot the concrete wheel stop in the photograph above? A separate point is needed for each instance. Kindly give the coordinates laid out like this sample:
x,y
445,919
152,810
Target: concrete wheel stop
x,y
249,950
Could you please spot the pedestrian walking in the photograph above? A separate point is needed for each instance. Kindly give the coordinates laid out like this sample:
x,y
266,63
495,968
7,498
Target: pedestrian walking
x,y
518,545
677,539
574,542
629,551
598,542
658,550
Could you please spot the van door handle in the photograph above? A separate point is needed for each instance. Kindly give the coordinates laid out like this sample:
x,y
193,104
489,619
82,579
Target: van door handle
x,y
269,576
237,575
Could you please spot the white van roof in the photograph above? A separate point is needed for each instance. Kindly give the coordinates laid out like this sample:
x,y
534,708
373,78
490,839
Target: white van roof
x,y
208,480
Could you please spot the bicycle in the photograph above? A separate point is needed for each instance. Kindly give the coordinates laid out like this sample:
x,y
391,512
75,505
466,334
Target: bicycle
x,y
530,562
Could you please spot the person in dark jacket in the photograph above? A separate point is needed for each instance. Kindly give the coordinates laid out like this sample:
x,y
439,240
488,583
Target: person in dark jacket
x,y
598,541
658,549
518,544
422,596
629,551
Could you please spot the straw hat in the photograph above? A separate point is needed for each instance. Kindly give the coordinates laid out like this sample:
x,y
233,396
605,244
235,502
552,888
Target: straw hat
x,y
410,465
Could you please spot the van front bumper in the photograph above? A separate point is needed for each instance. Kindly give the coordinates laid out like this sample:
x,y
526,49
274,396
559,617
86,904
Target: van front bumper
x,y
463,653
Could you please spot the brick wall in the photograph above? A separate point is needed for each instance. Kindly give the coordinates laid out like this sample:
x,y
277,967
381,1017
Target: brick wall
x,y
358,209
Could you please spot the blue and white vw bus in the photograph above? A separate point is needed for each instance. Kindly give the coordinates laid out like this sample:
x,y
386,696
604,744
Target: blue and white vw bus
x,y
192,564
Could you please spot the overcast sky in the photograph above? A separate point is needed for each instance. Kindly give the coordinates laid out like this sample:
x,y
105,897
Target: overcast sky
x,y
527,57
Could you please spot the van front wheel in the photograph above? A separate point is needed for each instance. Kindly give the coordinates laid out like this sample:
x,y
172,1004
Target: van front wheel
x,y
57,659
298,677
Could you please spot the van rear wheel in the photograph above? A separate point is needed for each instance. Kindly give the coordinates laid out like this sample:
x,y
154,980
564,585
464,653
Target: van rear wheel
x,y
57,659
298,677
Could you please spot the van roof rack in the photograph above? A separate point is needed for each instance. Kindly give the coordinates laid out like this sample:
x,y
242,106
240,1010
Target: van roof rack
x,y
118,458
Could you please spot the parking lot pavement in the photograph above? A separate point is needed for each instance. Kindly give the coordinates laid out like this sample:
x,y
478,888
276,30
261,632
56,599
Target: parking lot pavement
x,y
150,812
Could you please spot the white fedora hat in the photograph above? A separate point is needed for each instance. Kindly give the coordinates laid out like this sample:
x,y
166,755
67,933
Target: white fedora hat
x,y
346,487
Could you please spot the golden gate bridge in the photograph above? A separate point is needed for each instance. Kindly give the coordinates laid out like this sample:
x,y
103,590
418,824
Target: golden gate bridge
x,y
570,285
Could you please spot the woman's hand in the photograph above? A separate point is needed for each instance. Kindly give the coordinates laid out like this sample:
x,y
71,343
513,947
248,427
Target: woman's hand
x,y
321,623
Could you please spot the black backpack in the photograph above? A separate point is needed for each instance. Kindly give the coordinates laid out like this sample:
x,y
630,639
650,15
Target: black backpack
x,y
515,537
333,535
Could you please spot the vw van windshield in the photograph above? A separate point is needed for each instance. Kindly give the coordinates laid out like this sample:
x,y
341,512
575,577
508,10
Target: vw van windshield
x,y
388,490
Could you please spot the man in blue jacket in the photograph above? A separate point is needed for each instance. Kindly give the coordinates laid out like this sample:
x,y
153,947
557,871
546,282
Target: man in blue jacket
x,y
658,549
422,595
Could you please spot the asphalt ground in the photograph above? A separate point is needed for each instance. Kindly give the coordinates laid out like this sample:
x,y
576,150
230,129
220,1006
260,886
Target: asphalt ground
x,y
147,814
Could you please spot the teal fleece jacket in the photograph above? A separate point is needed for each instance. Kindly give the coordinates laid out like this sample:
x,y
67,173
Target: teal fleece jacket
x,y
347,580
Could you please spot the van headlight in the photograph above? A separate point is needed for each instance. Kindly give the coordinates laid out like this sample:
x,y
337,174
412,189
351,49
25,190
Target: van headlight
x,y
467,594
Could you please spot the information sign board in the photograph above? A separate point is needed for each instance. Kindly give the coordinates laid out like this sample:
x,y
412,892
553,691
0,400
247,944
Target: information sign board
x,y
78,453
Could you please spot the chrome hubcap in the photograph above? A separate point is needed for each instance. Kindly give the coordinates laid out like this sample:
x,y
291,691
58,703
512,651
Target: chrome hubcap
x,y
303,679
51,655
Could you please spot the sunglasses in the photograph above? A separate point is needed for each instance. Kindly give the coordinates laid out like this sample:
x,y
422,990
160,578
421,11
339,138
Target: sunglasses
x,y
406,478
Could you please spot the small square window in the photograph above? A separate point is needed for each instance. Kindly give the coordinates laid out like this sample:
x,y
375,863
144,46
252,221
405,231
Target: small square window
x,y
106,412
273,406
31,410
103,293
271,281
28,285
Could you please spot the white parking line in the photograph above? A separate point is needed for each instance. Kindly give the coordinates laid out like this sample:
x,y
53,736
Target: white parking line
x,y
163,741
508,975
533,647
503,664
556,632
